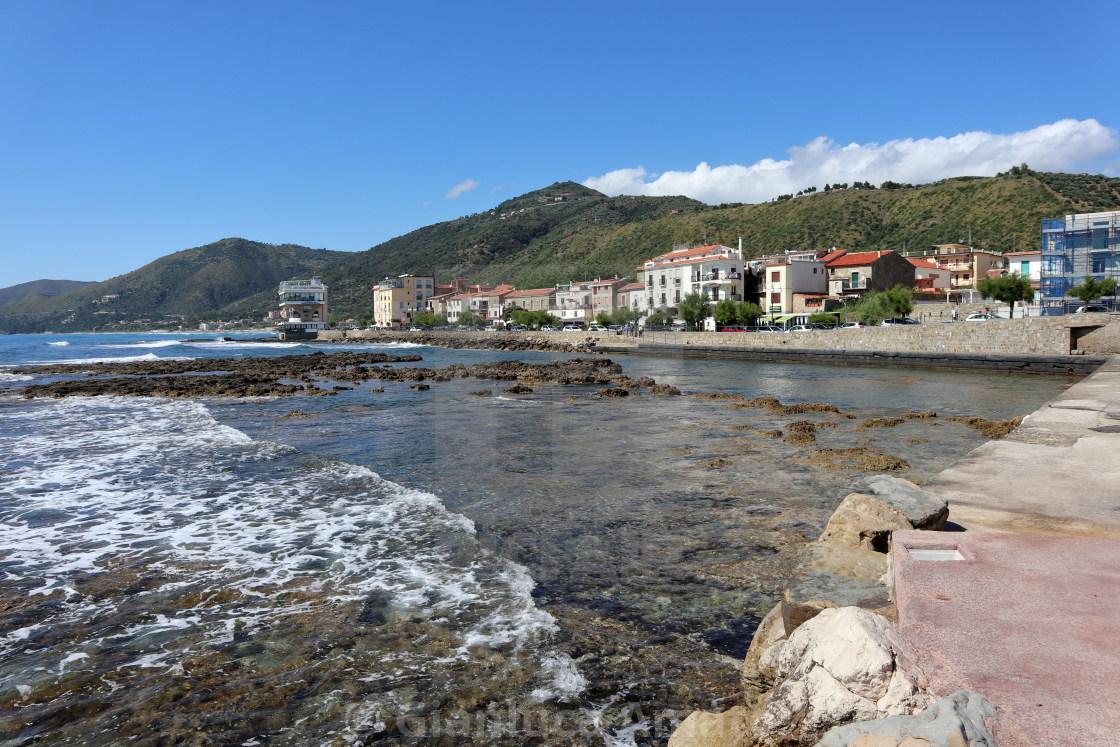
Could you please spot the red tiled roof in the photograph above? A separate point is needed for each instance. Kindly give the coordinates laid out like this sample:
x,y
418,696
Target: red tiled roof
x,y
833,255
533,292
698,251
859,258
632,287
917,262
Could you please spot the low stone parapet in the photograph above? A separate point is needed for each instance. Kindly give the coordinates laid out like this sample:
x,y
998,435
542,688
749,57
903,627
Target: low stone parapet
x,y
1034,336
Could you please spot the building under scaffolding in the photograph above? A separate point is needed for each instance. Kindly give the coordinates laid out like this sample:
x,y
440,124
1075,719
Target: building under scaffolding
x,y
1073,248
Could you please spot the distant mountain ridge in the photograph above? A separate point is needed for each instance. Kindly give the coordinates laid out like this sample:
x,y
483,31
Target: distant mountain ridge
x,y
569,232
48,288
229,278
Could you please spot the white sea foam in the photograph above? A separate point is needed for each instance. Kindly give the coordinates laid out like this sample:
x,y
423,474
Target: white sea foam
x,y
60,343
120,359
142,344
231,344
159,485
563,680
14,377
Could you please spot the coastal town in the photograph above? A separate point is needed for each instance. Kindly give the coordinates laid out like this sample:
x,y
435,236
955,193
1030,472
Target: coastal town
x,y
786,288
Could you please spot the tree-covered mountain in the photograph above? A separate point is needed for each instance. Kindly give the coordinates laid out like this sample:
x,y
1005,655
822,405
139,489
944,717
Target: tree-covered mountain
x,y
569,232
230,277
47,288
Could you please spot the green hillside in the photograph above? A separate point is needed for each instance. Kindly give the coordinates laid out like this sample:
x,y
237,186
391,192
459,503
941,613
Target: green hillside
x,y
540,243
49,288
230,277
569,232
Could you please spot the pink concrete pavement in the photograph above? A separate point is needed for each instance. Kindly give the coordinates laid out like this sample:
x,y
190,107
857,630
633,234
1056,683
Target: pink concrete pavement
x,y
1031,622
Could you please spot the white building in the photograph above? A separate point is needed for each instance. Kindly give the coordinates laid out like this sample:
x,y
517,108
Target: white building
x,y
715,272
573,303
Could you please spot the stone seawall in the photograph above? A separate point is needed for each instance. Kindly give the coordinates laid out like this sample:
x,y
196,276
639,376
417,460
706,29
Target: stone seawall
x,y
1049,364
1037,345
1035,336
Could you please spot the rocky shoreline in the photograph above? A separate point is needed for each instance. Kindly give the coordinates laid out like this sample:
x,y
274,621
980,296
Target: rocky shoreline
x,y
827,666
312,374
843,570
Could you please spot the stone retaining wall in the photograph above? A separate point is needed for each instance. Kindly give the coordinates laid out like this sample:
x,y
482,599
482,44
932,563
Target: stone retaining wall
x,y
1051,364
1034,336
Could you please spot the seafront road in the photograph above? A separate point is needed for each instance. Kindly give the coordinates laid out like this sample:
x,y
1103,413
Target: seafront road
x,y
1021,606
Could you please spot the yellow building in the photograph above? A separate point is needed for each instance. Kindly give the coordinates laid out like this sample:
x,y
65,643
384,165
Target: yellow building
x,y
397,300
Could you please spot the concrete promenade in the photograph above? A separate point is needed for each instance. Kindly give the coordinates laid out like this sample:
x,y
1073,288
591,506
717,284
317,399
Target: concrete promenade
x,y
1057,473
1022,607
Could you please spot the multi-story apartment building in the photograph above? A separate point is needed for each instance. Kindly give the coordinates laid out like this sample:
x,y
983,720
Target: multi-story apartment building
x,y
1076,247
304,304
573,302
967,265
715,272
785,285
397,300
856,273
536,299
633,296
605,297
476,301
496,302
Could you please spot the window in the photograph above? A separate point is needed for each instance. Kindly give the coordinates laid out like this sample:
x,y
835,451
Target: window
x,y
775,298
814,270
1025,269
677,298
776,276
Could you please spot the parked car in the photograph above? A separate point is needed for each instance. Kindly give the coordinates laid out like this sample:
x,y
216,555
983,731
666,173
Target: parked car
x,y
981,317
520,328
571,328
899,321
734,328
769,328
852,325
803,328
1091,308
547,328
596,328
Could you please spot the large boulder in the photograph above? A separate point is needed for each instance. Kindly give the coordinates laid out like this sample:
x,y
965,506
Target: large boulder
x,y
877,506
845,664
955,721
922,509
761,662
703,729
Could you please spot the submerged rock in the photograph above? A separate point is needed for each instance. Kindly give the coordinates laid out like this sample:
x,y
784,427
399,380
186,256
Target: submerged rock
x,y
990,428
881,422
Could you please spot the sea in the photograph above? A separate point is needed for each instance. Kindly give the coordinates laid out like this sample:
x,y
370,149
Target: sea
x,y
392,566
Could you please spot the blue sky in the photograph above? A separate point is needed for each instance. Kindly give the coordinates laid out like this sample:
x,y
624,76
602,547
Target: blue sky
x,y
131,130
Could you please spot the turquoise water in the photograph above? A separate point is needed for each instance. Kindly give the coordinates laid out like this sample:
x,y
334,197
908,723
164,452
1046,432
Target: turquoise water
x,y
399,566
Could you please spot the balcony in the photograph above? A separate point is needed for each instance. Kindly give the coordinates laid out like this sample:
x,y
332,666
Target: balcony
x,y
847,285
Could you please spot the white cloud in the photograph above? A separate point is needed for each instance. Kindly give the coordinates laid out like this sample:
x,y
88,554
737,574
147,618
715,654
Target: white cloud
x,y
1060,146
462,188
